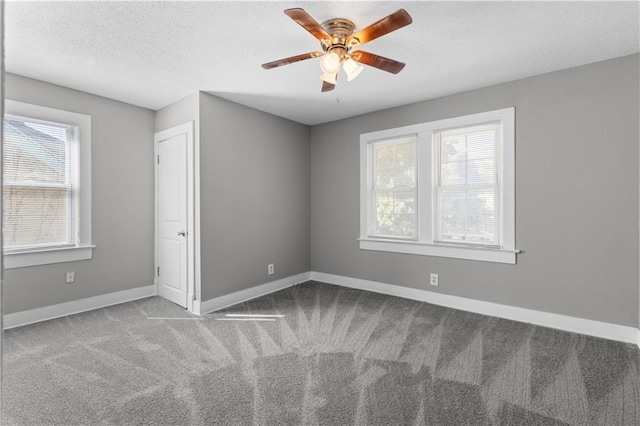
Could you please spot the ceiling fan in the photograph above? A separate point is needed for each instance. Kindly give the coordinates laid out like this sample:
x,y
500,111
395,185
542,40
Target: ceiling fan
x,y
337,38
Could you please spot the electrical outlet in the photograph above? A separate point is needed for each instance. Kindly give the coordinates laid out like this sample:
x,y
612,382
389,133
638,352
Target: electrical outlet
x,y
433,280
71,277
271,269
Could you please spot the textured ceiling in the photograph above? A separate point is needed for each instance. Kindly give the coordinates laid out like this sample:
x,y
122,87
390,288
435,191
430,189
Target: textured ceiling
x,y
154,53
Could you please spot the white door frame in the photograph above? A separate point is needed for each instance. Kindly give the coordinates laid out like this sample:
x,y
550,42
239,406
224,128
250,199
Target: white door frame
x,y
193,212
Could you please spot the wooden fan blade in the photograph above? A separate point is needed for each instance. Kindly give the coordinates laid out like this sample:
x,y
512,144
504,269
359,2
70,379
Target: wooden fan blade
x,y
380,62
384,26
308,23
326,87
291,60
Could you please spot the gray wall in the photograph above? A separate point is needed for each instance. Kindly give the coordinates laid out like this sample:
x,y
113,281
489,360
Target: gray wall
x,y
122,198
254,179
180,112
576,196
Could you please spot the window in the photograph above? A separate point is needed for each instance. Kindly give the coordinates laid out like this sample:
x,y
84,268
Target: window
x,y
393,188
467,191
46,185
443,188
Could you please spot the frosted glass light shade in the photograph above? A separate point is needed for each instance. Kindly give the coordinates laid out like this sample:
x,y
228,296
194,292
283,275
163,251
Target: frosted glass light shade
x,y
330,63
352,68
329,77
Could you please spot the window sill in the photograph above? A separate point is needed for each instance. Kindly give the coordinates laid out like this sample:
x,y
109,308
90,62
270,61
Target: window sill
x,y
47,256
456,252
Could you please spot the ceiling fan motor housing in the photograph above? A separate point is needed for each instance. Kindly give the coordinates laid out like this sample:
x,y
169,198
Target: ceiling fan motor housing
x,y
339,29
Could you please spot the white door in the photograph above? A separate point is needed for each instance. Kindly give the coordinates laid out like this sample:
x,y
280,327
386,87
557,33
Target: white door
x,y
171,227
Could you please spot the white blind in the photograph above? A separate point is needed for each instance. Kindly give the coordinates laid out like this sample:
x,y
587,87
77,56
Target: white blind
x,y
394,188
39,198
467,190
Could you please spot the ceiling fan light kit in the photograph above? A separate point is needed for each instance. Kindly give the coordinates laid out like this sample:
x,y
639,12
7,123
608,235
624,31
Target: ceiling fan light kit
x,y
352,69
330,78
330,63
337,38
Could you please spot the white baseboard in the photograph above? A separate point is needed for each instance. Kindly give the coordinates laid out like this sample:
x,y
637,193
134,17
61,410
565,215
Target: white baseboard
x,y
248,294
562,322
604,330
60,310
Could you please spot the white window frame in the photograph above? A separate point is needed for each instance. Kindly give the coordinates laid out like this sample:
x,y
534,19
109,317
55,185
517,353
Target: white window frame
x,y
83,250
427,176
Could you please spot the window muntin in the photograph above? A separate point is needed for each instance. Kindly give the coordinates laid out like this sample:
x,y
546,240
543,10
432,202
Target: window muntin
x,y
39,186
393,188
467,188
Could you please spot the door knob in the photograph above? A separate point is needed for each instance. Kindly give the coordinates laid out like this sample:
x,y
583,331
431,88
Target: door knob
x,y
182,233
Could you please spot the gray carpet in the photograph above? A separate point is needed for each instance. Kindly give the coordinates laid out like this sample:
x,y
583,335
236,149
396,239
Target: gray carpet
x,y
327,355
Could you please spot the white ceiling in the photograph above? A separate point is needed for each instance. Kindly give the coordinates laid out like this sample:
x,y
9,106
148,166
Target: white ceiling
x,y
154,53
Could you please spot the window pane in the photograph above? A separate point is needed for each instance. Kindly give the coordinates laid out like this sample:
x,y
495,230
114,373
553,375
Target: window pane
x,y
384,178
384,203
395,213
34,152
468,215
481,144
454,148
454,173
405,155
404,202
35,216
481,171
